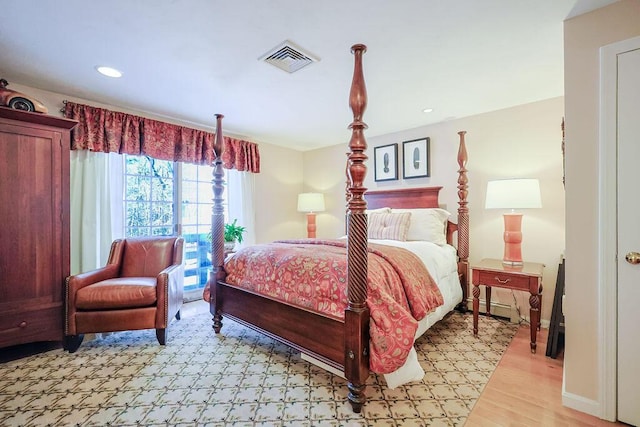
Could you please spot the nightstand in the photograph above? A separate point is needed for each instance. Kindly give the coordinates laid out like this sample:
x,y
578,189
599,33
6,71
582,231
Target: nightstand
x,y
527,277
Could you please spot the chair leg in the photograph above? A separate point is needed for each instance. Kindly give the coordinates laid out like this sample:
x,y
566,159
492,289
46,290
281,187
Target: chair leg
x,y
178,315
72,342
161,334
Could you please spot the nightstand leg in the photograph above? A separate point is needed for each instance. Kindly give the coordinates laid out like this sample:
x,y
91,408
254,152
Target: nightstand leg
x,y
476,308
534,316
487,298
540,311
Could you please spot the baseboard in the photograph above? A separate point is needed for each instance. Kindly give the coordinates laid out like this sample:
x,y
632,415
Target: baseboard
x,y
505,311
497,309
191,296
579,403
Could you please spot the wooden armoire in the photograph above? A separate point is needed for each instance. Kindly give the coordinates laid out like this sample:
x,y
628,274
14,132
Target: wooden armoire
x,y
34,225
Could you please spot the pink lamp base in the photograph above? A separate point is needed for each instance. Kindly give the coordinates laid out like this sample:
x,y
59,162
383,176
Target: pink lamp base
x,y
512,239
311,225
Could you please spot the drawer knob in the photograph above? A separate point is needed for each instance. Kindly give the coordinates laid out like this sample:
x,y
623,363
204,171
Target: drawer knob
x,y
23,324
503,281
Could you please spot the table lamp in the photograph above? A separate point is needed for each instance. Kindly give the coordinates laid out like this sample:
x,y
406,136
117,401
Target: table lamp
x,y
513,194
311,203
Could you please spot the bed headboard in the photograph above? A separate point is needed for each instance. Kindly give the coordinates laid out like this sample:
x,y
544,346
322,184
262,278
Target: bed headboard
x,y
405,198
409,198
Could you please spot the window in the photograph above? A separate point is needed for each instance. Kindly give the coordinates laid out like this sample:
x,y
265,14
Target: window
x,y
197,205
153,191
149,197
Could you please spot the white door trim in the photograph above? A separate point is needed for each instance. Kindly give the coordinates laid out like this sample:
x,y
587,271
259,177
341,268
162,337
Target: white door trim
x,y
607,226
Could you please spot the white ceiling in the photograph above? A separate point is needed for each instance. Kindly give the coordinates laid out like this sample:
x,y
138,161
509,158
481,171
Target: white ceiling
x,y
190,59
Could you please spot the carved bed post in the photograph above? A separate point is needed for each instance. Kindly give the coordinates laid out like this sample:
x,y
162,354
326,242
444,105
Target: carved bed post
x,y
217,226
356,366
463,220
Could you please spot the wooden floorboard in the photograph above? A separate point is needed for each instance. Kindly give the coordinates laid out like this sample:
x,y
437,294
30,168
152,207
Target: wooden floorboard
x,y
526,390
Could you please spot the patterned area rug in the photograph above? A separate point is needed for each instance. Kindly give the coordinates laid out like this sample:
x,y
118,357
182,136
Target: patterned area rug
x,y
241,378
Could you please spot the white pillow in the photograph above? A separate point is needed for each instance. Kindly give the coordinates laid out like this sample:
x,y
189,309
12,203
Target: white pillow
x,y
377,210
389,226
429,224
370,212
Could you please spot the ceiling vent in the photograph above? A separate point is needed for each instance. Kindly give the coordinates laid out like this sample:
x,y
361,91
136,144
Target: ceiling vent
x,y
288,57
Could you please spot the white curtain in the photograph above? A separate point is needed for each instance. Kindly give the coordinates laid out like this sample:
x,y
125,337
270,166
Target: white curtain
x,y
240,191
96,207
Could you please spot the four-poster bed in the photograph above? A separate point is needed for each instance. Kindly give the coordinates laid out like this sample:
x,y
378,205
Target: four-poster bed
x,y
341,343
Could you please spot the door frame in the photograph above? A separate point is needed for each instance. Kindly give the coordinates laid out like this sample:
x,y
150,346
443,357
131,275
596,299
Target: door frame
x,y
608,227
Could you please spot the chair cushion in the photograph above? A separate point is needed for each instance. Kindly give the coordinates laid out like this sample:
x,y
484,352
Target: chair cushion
x,y
112,294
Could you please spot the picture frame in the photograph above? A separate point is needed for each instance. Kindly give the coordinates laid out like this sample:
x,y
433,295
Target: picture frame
x,y
385,162
415,158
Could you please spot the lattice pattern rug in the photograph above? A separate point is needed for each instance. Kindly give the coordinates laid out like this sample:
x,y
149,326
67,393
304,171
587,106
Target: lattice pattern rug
x,y
241,378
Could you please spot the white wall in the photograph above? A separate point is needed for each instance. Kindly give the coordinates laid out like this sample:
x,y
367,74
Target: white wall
x,y
277,188
584,35
523,141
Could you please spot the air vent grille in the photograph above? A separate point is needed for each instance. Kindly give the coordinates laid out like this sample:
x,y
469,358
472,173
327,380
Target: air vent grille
x,y
288,57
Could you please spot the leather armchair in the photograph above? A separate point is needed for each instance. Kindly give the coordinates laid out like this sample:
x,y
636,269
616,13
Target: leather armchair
x,y
141,287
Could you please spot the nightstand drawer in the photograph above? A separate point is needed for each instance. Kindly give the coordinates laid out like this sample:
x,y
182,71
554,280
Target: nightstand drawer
x,y
503,280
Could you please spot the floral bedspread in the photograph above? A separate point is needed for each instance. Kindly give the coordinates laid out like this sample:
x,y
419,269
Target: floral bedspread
x,y
313,274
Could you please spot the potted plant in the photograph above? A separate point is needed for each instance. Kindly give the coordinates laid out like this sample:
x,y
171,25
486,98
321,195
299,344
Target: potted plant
x,y
232,234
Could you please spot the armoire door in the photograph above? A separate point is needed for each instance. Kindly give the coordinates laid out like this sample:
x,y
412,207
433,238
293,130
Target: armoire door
x,y
34,226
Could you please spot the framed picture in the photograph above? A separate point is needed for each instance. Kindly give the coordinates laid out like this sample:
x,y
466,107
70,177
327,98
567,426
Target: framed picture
x,y
386,162
415,154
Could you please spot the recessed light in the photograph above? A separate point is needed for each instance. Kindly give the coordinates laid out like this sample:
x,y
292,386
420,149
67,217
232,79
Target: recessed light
x,y
427,110
109,72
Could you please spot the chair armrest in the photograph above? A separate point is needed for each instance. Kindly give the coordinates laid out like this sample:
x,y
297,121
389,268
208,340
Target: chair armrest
x,y
170,278
172,268
74,283
169,292
81,280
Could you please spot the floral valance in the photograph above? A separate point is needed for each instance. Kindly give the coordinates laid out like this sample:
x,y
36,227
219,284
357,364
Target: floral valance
x,y
109,131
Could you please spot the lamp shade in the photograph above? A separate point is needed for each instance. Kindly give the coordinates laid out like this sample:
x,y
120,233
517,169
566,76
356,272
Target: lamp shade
x,y
522,193
310,202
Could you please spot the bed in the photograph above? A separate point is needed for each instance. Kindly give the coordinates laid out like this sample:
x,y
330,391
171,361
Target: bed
x,y
345,340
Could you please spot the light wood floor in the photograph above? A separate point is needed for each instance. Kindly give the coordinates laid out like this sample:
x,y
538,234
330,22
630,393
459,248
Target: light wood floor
x,y
526,390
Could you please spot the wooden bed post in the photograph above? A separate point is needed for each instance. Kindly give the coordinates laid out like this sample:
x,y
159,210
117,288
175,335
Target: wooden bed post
x,y
463,220
217,226
356,318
